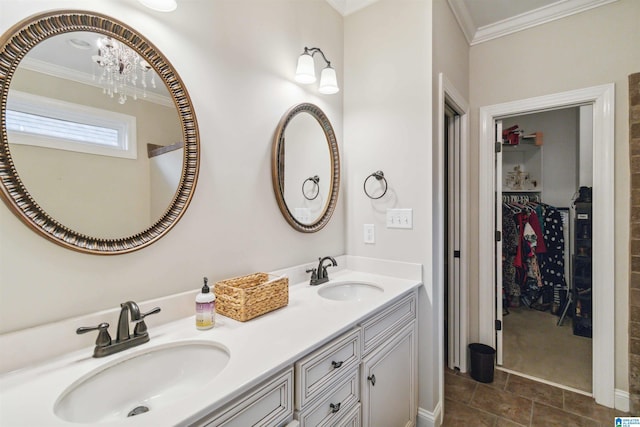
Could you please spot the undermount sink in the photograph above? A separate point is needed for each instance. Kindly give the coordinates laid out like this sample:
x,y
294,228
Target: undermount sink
x,y
141,382
349,291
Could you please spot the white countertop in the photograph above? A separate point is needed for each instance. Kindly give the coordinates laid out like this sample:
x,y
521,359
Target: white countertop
x,y
258,349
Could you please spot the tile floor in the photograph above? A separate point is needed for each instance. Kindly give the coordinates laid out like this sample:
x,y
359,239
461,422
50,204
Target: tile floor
x,y
511,400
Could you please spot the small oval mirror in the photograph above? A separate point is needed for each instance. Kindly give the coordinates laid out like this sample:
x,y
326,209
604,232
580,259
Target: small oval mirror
x,y
305,168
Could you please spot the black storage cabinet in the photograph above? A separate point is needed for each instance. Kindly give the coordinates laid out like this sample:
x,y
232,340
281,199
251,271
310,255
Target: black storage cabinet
x,y
582,270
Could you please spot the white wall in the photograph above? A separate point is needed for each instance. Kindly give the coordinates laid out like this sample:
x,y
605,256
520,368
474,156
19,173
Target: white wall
x,y
388,115
164,171
585,147
237,59
559,152
591,48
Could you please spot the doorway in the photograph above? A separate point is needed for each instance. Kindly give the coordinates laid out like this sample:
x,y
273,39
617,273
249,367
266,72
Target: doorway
x,y
450,195
544,161
602,99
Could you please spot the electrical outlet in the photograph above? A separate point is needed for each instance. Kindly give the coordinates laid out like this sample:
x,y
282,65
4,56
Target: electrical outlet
x,y
399,218
369,233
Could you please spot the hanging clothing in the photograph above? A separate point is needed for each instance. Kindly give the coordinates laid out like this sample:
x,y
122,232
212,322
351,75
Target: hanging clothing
x,y
509,248
534,222
552,267
532,254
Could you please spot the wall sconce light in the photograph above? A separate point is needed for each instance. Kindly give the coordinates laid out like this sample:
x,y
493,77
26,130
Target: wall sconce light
x,y
160,5
306,73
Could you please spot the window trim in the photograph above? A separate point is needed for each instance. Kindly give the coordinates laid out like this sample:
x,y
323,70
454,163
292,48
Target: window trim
x,y
124,124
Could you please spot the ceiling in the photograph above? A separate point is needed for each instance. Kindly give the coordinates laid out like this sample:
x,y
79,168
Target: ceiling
x,y
69,56
483,20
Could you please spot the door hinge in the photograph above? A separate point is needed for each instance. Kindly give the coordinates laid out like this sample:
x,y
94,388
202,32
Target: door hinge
x,y
498,236
456,254
498,325
498,147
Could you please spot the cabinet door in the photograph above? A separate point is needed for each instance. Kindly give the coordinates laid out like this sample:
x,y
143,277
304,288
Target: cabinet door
x,y
270,405
389,382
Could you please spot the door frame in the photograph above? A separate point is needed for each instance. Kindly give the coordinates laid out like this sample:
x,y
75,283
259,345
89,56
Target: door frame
x,y
449,95
453,221
602,99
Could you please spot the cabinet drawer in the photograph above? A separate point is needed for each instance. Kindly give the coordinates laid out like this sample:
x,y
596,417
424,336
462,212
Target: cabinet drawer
x,y
383,325
270,405
353,418
316,372
330,409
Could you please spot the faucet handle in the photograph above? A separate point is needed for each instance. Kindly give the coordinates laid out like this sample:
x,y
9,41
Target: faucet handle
x,y
104,339
314,273
152,311
141,326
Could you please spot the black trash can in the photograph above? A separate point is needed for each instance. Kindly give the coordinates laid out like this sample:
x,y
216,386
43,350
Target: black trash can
x,y
482,362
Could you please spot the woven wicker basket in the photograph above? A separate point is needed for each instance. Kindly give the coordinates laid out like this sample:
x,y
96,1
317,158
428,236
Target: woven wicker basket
x,y
246,297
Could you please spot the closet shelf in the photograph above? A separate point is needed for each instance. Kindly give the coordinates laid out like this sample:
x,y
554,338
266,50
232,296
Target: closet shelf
x,y
533,138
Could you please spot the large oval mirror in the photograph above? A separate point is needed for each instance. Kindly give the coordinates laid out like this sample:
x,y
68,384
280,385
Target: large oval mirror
x,y
306,168
100,148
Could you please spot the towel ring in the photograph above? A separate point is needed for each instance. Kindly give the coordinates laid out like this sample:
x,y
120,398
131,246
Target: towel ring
x,y
378,175
315,179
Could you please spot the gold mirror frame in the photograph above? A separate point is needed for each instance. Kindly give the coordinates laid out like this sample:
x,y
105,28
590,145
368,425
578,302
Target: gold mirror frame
x,y
277,167
14,45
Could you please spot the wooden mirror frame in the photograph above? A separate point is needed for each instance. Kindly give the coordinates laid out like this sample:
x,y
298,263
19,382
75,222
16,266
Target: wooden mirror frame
x,y
277,167
14,45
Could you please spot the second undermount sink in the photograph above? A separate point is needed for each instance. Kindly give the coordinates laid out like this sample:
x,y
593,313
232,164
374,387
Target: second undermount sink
x,y
141,382
349,291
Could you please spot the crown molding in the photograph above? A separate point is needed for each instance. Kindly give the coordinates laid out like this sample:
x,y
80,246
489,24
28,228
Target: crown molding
x,y
347,7
87,79
542,15
464,19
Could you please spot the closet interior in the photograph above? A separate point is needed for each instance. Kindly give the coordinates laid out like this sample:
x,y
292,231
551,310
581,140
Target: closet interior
x,y
546,246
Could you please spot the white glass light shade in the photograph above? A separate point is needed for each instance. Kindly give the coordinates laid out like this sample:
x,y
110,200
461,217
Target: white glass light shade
x,y
305,73
328,81
160,5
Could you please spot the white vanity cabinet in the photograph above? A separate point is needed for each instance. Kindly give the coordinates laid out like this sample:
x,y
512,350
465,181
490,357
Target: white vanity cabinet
x,y
377,389
390,366
365,377
269,404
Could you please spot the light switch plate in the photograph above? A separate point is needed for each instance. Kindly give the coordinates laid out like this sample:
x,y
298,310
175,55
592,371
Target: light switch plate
x,y
399,218
369,233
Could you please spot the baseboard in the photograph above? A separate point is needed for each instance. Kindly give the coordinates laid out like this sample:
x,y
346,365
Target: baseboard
x,y
429,419
622,401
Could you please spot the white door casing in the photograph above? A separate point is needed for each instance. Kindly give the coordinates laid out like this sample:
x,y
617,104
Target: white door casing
x,y
498,247
602,99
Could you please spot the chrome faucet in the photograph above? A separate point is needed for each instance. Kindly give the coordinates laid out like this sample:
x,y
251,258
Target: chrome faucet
x,y
319,275
129,312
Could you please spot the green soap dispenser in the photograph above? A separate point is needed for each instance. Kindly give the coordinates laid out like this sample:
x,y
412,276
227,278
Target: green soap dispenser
x,y
205,308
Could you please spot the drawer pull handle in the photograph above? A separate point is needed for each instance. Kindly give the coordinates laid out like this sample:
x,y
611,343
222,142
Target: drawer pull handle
x,y
372,378
334,407
335,364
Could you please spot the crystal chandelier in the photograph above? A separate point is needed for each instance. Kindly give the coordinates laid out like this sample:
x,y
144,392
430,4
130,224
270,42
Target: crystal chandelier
x,y
120,70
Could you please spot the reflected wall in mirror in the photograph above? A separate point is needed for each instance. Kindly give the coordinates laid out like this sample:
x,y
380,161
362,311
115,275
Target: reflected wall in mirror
x,y
306,168
100,148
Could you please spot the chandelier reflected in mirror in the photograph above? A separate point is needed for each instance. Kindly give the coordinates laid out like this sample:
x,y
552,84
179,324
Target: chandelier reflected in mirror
x,y
121,69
